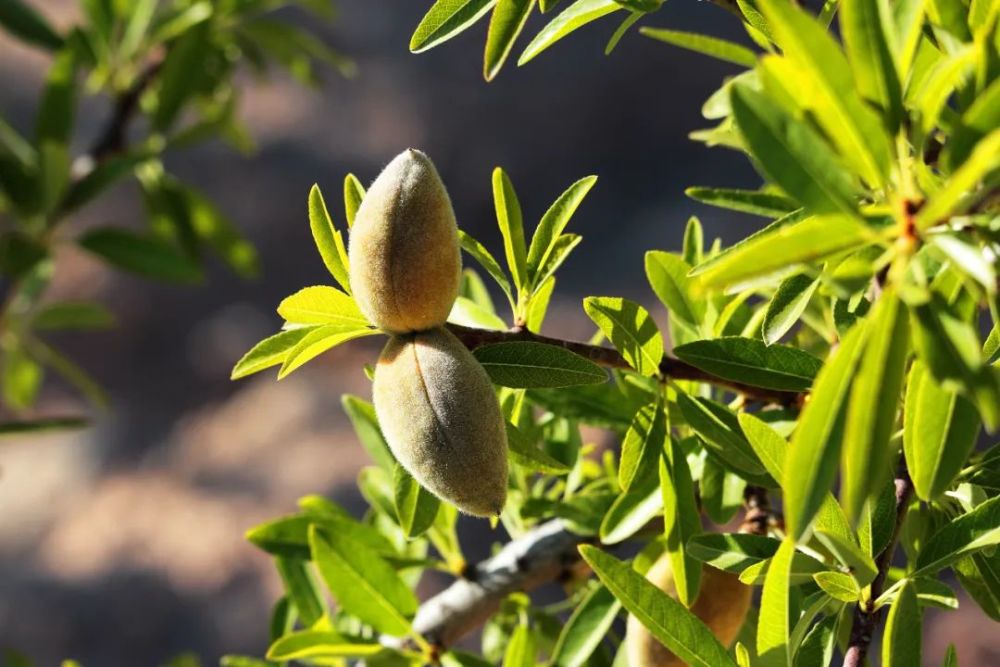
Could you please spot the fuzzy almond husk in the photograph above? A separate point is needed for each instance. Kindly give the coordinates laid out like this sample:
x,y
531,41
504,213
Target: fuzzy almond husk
x,y
404,254
722,603
441,418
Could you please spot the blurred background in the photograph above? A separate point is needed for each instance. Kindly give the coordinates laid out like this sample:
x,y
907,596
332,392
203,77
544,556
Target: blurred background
x,y
123,544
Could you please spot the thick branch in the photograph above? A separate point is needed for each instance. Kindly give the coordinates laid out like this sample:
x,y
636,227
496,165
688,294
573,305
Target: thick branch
x,y
865,618
542,555
669,367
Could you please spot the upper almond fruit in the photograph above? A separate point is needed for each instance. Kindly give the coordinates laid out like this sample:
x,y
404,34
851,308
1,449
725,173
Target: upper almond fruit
x,y
404,254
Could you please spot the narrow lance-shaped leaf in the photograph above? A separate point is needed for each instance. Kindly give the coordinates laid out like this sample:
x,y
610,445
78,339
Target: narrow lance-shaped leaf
x,y
364,584
965,535
318,341
852,126
750,361
526,364
939,431
586,628
506,23
811,464
416,507
552,224
668,276
754,202
774,621
511,223
792,155
269,352
681,521
787,305
22,21
354,192
577,15
666,619
901,643
630,328
445,19
486,260
867,29
874,403
328,239
321,305
709,46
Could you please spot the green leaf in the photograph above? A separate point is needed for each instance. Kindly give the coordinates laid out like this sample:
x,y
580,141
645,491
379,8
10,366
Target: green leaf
x,y
104,174
811,463
665,618
979,575
354,193
468,313
445,19
643,444
54,127
858,563
511,223
577,15
318,341
22,378
365,423
751,361
524,453
787,305
732,552
180,75
526,364
939,433
328,239
586,628
954,198
631,511
792,154
694,242
506,23
269,352
321,305
521,648
630,328
301,588
486,260
144,255
774,621
681,521
901,643
833,93
416,507
72,315
720,49
668,276
561,249
22,21
552,224
868,32
801,243
312,644
965,535
362,583
720,431
839,586
754,202
874,403
982,116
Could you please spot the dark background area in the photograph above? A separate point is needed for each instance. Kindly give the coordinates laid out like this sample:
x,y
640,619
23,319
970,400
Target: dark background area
x,y
122,545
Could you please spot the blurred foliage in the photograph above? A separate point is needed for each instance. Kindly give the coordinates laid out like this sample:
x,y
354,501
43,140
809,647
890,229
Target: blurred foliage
x,y
170,71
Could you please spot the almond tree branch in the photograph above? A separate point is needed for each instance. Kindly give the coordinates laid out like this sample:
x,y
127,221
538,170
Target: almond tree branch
x,y
670,367
865,618
548,552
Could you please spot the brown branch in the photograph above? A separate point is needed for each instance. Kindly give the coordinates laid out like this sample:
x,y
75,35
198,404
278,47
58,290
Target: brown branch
x,y
545,553
670,367
865,617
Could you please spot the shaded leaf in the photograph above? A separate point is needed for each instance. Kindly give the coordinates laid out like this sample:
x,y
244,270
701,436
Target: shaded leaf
x,y
752,362
527,364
